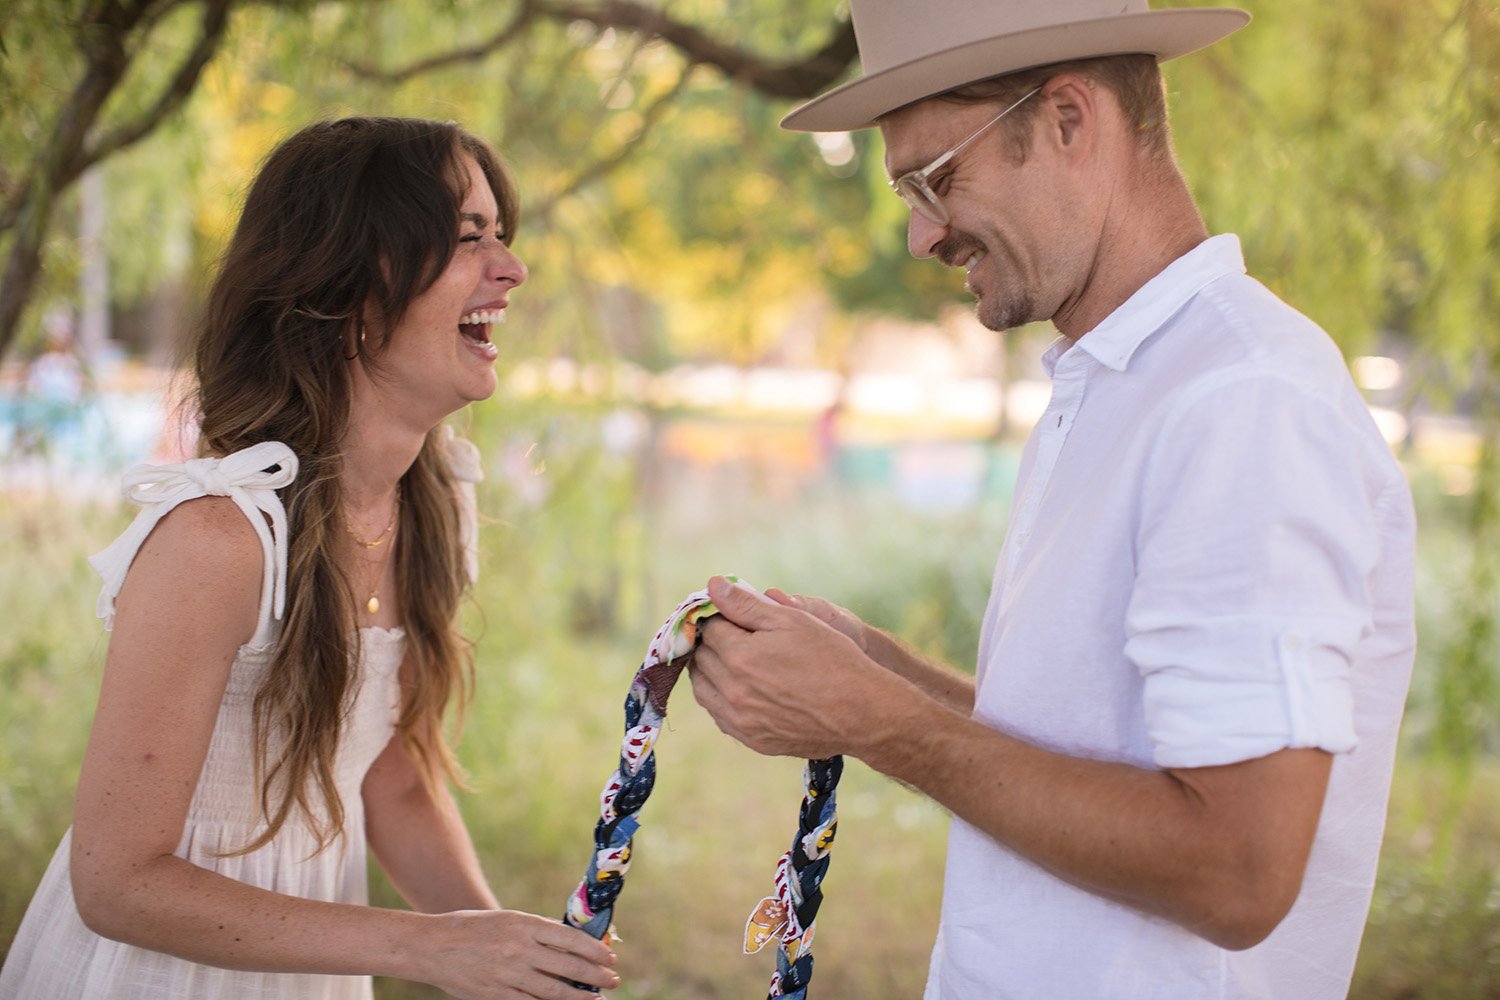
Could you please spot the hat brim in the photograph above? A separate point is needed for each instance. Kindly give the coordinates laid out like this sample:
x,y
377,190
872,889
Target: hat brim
x,y
1165,34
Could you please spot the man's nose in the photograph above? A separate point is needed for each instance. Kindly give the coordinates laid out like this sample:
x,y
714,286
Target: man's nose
x,y
923,235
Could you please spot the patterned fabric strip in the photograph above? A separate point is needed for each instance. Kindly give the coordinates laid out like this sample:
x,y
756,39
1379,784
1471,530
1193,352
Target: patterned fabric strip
x,y
789,914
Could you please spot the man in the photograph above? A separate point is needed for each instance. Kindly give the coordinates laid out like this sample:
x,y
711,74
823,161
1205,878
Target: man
x,y
1169,777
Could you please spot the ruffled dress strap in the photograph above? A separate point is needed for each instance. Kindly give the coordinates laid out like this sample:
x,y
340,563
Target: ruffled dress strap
x,y
249,477
464,463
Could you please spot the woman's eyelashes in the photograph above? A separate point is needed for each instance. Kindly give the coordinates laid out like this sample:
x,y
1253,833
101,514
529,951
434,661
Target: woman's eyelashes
x,y
500,237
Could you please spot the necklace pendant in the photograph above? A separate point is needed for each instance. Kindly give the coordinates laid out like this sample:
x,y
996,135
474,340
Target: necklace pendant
x,y
373,604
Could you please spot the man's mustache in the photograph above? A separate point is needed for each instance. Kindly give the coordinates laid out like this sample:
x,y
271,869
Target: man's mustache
x,y
956,247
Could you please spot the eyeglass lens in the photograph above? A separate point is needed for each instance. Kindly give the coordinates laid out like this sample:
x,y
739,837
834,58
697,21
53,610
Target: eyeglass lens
x,y
922,199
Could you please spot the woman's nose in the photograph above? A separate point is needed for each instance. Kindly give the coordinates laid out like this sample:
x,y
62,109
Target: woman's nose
x,y
506,266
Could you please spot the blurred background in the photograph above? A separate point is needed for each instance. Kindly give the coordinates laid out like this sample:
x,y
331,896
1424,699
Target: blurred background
x,y
725,362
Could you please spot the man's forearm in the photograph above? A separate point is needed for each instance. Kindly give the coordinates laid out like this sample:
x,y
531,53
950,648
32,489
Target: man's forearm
x,y
1220,850
938,681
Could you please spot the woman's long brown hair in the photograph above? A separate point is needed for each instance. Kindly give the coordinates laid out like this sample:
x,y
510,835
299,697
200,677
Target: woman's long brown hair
x,y
344,214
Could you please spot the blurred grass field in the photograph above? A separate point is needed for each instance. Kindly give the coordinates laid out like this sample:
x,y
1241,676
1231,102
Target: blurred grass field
x,y
585,550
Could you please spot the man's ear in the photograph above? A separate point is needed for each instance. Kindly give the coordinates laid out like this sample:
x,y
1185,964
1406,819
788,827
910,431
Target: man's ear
x,y
1071,107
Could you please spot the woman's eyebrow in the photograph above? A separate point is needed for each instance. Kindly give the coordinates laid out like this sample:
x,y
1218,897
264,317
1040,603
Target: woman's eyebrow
x,y
482,221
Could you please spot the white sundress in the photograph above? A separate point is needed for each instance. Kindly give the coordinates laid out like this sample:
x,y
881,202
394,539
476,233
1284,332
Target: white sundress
x,y
54,956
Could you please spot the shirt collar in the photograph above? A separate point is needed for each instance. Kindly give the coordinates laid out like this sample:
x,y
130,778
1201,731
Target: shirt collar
x,y
1115,339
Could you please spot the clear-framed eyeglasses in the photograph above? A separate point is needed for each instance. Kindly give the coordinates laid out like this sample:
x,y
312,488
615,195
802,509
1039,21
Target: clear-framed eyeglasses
x,y
913,187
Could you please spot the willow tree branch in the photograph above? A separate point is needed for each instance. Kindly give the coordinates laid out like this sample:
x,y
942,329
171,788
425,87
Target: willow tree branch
x,y
794,79
602,166
10,197
184,81
478,52
102,30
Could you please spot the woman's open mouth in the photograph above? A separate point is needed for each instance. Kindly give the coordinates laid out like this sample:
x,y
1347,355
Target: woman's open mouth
x,y
474,327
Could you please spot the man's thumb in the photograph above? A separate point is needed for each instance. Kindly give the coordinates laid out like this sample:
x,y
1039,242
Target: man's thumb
x,y
742,604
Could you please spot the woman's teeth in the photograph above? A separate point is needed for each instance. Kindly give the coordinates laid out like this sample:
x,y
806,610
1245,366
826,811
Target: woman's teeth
x,y
483,317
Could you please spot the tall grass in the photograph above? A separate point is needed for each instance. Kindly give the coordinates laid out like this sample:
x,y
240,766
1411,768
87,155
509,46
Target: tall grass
x,y
585,550
51,654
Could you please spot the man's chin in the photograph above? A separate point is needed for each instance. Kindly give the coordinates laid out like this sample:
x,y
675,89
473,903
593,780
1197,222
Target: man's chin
x,y
1002,316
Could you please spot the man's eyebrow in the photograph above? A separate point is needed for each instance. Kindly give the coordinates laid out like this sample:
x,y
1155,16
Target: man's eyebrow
x,y
901,171
897,171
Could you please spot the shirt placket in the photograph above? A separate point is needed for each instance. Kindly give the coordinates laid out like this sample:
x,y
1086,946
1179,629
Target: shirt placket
x,y
1069,380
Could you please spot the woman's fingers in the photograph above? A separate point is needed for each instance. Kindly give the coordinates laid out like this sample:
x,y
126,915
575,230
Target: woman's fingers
x,y
562,967
570,939
507,954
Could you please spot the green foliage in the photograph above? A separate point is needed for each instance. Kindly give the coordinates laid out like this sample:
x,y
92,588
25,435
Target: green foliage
x,y
1354,149
1352,146
49,670
1434,926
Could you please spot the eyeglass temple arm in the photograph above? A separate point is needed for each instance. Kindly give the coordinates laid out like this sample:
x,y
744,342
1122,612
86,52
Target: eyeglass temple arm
x,y
981,130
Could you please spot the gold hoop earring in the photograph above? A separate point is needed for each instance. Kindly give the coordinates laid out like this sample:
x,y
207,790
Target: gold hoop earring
x,y
360,348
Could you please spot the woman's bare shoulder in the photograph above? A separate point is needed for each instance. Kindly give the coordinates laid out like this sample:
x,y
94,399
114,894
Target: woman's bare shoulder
x,y
203,556
213,528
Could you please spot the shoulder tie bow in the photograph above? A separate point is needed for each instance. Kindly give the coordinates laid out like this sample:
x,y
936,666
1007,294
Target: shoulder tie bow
x,y
464,463
249,477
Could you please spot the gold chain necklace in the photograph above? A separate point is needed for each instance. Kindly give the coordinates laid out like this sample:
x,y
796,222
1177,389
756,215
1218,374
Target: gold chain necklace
x,y
389,526
372,603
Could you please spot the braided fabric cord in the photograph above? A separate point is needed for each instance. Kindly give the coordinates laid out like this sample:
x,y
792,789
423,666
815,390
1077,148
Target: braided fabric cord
x,y
789,914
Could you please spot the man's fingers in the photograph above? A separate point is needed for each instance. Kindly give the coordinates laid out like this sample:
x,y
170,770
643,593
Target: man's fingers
x,y
741,605
715,625
707,694
705,664
822,610
783,598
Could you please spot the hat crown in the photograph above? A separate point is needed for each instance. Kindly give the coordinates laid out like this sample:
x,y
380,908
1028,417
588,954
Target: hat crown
x,y
893,32
915,49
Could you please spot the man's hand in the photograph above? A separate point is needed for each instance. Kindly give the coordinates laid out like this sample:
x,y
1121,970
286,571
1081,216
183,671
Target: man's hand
x,y
841,620
1218,850
942,683
788,680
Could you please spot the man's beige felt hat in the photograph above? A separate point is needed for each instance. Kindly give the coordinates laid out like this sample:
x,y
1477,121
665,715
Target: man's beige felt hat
x,y
914,49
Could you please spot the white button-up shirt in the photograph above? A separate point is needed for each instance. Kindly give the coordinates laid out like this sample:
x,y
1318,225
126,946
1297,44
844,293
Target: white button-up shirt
x,y
1209,559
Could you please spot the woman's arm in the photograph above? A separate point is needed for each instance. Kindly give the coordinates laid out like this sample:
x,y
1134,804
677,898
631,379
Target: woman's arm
x,y
419,837
188,603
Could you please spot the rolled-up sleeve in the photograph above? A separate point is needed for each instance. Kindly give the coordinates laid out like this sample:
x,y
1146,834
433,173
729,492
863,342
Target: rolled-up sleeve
x,y
1257,541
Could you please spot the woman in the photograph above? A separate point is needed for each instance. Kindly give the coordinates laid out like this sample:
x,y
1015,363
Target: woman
x,y
275,684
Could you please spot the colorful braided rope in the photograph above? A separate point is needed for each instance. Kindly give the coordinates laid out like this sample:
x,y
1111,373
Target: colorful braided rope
x,y
790,913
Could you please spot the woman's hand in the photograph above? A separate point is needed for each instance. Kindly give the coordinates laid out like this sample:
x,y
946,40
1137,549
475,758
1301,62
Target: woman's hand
x,y
507,955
